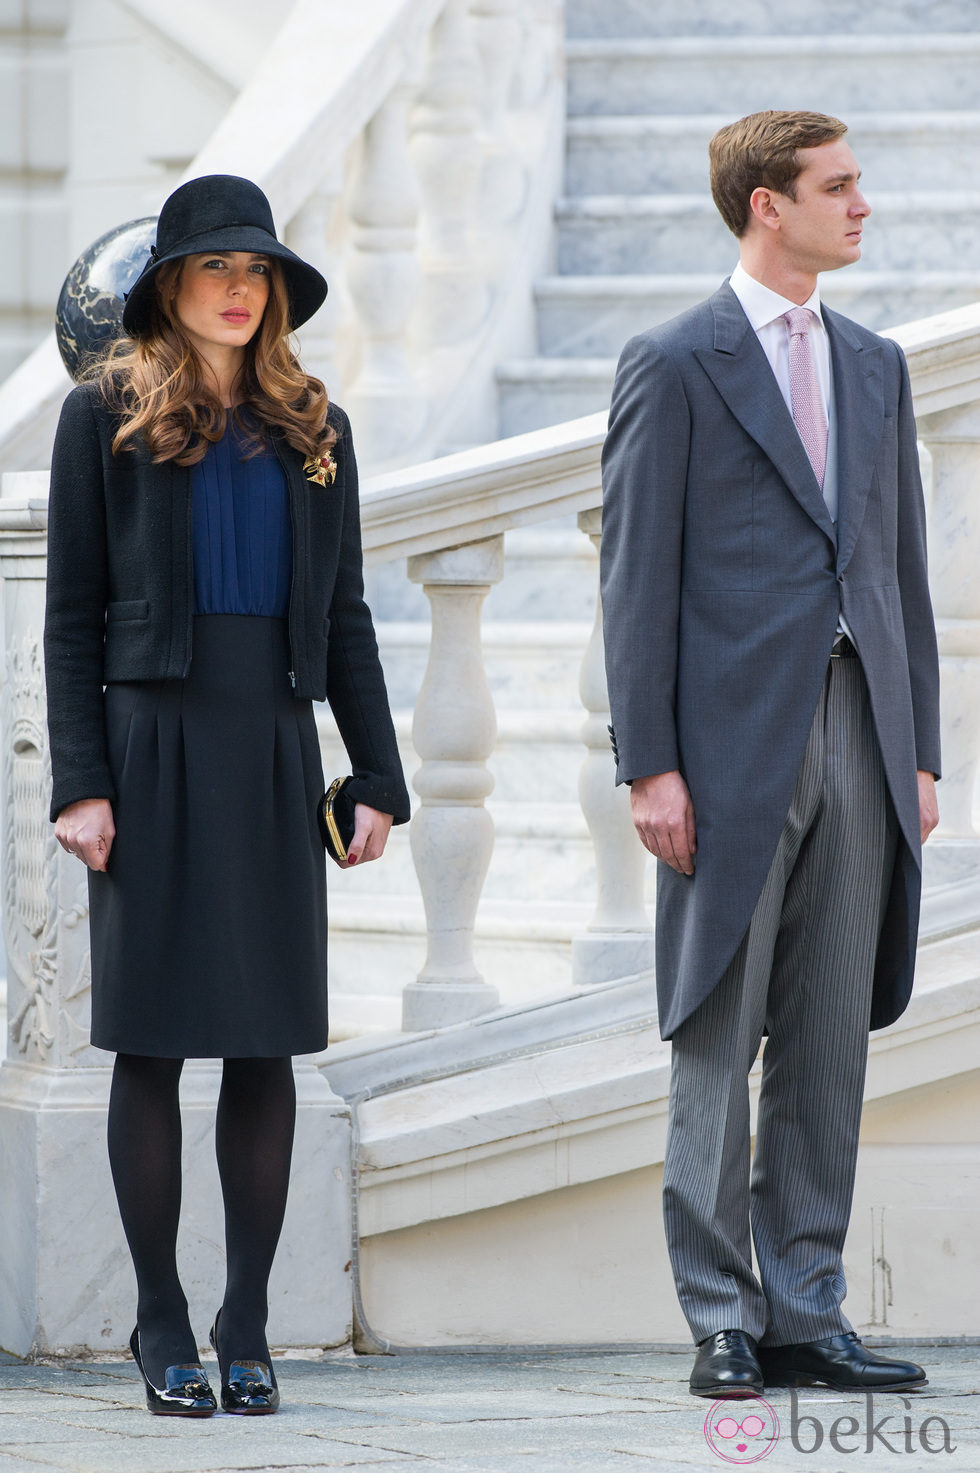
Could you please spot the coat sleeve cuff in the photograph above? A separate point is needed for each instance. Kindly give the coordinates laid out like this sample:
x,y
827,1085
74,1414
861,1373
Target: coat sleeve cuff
x,y
76,788
384,794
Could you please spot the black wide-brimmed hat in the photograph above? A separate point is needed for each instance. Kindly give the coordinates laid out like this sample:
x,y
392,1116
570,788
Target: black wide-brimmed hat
x,y
221,212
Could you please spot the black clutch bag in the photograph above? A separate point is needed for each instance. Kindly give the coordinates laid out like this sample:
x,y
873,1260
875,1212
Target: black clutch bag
x,y
335,816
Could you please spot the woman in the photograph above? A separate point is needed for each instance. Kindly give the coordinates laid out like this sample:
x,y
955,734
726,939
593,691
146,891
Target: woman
x,y
204,566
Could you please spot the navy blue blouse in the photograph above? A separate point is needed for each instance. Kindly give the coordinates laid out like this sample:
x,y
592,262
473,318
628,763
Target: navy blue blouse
x,y
243,554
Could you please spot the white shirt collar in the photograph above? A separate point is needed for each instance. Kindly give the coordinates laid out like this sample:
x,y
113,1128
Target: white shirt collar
x,y
762,305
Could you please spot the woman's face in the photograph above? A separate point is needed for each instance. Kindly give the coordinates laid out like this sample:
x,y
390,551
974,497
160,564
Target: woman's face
x,y
221,297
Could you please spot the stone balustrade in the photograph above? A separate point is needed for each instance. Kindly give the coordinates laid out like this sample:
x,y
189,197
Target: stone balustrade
x,y
944,361
411,149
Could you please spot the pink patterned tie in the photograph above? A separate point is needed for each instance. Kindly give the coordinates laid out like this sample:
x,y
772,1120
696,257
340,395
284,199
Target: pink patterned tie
x,y
804,391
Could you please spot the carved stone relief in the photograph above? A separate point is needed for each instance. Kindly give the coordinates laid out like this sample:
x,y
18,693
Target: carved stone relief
x,y
30,858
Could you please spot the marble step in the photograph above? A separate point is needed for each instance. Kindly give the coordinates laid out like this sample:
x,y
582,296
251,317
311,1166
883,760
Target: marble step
x,y
585,18
637,234
742,74
535,392
530,664
541,850
653,154
592,316
547,742
524,948
549,573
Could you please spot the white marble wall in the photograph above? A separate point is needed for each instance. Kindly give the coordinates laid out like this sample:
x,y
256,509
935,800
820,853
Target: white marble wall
x,y
102,104
34,149
66,1280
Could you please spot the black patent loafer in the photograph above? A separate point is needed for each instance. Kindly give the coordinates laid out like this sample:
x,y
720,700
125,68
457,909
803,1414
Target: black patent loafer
x,y
186,1394
726,1365
248,1388
840,1362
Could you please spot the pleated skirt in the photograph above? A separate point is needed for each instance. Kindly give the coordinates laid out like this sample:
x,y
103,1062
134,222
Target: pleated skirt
x,y
209,927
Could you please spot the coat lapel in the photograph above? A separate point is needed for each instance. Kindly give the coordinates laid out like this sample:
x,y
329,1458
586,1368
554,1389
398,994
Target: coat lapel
x,y
740,371
860,407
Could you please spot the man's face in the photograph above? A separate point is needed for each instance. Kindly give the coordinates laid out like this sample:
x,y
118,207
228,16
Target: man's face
x,y
821,229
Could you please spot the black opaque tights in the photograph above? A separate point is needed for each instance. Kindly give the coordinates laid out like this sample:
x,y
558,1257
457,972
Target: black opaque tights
x,y
254,1141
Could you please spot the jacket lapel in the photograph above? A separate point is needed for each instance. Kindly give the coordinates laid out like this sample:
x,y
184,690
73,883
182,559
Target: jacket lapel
x,y
860,407
740,371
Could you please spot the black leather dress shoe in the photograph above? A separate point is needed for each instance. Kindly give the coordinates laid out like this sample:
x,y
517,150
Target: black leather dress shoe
x,y
840,1362
726,1365
248,1388
186,1394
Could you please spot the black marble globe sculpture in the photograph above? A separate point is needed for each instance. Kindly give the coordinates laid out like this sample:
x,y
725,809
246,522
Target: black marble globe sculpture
x,y
89,312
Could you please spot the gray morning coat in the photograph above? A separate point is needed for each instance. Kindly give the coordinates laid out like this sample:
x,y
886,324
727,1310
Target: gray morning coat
x,y
722,579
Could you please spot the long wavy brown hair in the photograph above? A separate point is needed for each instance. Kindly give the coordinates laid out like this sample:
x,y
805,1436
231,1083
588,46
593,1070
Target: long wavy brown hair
x,y
159,386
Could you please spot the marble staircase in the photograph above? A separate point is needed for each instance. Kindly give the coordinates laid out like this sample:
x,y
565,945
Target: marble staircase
x,y
637,237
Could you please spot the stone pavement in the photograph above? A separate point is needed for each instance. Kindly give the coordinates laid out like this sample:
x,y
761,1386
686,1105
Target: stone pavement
x,y
550,1412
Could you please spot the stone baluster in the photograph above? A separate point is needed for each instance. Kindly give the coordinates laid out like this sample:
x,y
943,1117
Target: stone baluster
x,y
542,43
45,896
53,1085
449,157
504,180
309,235
452,833
384,401
618,941
952,438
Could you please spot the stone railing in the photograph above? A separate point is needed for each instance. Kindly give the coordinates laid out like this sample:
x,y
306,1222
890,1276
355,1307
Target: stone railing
x,y
448,517
412,150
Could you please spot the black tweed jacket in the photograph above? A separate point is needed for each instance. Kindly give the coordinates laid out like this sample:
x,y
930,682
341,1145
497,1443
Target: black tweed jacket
x,y
120,596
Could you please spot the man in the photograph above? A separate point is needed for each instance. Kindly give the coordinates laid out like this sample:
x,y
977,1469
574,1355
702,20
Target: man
x,y
773,682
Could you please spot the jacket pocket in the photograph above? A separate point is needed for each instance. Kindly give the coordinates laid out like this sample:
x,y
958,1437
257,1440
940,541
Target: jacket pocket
x,y
128,610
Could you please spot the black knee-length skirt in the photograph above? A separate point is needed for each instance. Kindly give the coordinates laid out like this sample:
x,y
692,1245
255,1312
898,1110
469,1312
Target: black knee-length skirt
x,y
209,926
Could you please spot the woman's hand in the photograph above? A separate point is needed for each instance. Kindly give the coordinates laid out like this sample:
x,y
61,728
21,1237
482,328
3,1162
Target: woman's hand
x,y
86,830
371,830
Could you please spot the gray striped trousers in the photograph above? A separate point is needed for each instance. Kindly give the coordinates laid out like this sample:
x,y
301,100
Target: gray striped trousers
x,y
803,973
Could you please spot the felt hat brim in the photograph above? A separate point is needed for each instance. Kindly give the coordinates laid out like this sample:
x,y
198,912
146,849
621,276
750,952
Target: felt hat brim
x,y
305,286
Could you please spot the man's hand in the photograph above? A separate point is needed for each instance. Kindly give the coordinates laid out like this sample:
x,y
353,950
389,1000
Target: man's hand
x,y
928,807
664,817
86,829
371,830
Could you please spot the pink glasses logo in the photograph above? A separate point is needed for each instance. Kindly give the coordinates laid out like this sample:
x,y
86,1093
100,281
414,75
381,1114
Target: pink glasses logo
x,y
743,1431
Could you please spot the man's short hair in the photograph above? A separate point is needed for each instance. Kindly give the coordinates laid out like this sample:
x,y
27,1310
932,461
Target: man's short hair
x,y
761,152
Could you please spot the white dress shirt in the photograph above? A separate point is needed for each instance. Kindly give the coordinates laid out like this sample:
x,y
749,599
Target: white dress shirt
x,y
765,310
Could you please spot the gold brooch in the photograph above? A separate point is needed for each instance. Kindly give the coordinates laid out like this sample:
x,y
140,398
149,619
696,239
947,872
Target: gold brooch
x,y
320,469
